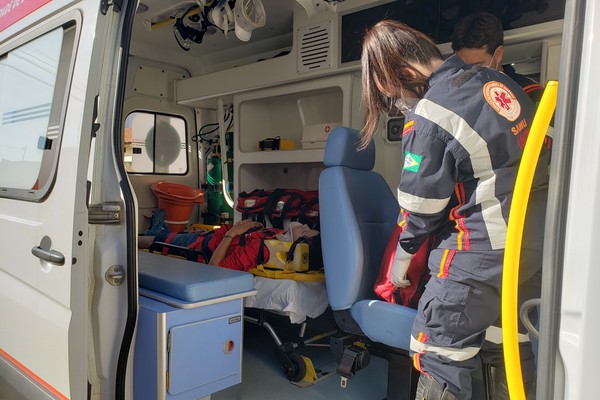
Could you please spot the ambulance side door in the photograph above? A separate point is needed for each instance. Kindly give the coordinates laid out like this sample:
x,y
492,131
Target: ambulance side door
x,y
46,114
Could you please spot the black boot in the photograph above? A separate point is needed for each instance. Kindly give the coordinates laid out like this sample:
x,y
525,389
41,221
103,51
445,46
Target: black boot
x,y
430,389
497,385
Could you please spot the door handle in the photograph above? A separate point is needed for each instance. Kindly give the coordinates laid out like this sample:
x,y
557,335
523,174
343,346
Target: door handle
x,y
52,256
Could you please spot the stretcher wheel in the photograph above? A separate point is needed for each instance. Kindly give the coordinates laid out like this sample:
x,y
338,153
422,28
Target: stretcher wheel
x,y
296,367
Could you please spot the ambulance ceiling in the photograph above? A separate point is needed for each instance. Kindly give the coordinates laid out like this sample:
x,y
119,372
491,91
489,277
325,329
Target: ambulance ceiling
x,y
153,36
154,39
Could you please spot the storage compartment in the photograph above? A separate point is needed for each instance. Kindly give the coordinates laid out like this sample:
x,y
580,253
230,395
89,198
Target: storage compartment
x,y
302,112
285,116
189,334
304,176
286,110
187,353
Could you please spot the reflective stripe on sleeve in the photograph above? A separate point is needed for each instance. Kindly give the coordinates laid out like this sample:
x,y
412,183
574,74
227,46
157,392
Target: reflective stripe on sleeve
x,y
448,352
421,205
481,163
494,334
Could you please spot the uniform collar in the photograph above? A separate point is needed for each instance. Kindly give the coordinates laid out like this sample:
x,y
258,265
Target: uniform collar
x,y
453,63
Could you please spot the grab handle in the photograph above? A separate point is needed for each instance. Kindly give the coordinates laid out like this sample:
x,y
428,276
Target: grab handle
x,y
526,307
514,235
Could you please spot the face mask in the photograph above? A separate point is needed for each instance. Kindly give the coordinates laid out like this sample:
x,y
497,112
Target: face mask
x,y
405,104
492,60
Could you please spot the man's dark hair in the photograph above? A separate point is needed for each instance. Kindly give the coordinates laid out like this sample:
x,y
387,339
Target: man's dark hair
x,y
476,31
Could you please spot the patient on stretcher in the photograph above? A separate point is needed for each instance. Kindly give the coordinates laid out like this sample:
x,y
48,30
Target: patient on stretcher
x,y
242,246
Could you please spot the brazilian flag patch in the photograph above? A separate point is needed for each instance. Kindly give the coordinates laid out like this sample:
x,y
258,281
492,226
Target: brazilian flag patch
x,y
412,162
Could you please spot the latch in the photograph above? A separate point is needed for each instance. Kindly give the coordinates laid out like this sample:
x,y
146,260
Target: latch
x,y
104,213
115,275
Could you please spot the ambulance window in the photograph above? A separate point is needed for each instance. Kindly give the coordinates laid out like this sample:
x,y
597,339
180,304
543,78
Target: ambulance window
x,y
437,18
155,144
33,85
28,132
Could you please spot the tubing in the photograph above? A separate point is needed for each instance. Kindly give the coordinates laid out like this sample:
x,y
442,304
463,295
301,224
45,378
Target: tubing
x,y
222,132
514,236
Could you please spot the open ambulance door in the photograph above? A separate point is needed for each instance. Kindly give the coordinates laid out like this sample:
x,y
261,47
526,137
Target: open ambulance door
x,y
52,71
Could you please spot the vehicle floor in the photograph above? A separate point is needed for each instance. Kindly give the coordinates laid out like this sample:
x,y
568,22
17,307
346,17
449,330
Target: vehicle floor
x,y
264,379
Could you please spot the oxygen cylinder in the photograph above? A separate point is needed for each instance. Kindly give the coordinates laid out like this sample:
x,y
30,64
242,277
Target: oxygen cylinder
x,y
217,209
214,205
214,170
214,196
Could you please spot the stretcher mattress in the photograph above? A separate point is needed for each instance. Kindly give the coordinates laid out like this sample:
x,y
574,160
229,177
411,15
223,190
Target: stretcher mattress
x,y
189,281
298,300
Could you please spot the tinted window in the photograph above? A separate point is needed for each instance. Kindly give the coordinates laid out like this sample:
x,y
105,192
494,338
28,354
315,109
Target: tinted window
x,y
421,15
512,13
437,18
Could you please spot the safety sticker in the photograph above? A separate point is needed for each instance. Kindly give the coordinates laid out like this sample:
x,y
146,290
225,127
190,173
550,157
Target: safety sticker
x,y
412,162
502,100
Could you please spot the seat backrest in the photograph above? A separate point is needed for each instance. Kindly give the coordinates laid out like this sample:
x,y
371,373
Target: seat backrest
x,y
358,213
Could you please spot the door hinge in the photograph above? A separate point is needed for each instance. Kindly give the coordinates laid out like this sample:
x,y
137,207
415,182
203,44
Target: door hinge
x,y
105,4
104,213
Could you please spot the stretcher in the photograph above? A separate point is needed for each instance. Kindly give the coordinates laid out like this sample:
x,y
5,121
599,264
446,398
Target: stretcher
x,y
301,302
295,299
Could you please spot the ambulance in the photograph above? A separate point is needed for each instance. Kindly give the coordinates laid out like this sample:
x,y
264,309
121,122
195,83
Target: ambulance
x,y
102,100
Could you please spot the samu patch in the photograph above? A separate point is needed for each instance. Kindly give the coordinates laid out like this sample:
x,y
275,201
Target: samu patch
x,y
412,161
502,100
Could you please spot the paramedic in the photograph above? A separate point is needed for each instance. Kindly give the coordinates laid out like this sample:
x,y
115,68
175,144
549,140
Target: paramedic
x,y
479,39
462,142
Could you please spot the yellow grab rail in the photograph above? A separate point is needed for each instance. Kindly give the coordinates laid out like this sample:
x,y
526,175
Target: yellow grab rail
x,y
514,236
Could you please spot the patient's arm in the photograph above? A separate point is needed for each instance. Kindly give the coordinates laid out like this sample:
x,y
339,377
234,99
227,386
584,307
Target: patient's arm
x,y
238,229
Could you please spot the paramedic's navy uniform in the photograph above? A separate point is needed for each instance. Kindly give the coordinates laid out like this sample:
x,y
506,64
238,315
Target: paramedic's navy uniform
x,y
533,89
462,146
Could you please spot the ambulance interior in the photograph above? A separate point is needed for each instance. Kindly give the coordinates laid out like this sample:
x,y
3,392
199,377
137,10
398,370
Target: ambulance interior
x,y
200,97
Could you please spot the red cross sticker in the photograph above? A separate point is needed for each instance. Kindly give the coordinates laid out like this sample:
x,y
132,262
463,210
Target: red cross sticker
x,y
327,128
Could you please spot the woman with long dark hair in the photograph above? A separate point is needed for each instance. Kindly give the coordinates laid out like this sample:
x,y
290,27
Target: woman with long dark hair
x,y
463,139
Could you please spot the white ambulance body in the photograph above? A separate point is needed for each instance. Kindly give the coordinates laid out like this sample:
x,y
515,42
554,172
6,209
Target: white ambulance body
x,y
75,186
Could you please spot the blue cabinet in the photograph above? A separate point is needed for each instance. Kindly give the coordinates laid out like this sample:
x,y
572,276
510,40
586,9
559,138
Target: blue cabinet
x,y
189,349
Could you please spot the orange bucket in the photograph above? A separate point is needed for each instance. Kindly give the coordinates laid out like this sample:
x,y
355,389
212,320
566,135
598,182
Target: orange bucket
x,y
178,201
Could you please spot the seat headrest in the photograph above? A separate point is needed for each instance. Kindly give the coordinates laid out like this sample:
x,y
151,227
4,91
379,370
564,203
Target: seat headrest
x,y
342,150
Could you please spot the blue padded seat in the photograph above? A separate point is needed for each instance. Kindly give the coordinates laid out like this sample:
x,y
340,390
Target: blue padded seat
x,y
189,281
358,213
